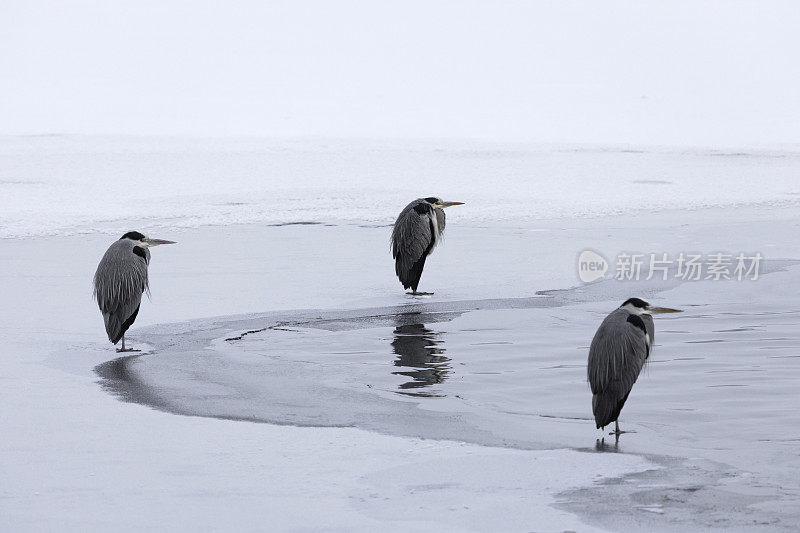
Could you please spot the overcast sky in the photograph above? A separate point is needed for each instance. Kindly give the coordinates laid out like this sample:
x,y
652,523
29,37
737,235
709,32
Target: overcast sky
x,y
675,73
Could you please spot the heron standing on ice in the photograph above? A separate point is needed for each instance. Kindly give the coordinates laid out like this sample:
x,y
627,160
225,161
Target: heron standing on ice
x,y
119,282
617,355
416,232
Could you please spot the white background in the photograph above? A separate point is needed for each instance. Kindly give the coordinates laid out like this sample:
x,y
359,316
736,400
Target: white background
x,y
668,73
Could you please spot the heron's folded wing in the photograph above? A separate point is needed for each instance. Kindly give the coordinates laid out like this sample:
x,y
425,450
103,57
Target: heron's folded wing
x,y
411,237
617,353
119,282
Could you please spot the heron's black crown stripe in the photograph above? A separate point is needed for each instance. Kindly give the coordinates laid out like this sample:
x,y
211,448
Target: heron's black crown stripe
x,y
636,302
138,250
637,321
431,199
134,235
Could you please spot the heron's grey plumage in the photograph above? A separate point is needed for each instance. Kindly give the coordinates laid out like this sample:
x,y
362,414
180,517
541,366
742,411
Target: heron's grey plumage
x,y
416,232
617,355
119,282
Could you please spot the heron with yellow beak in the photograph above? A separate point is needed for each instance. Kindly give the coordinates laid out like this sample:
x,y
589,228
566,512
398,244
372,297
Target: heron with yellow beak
x,y
416,233
617,355
120,281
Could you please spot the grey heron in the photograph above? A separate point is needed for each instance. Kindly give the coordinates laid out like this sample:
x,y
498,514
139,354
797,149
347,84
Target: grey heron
x,y
617,355
417,231
120,280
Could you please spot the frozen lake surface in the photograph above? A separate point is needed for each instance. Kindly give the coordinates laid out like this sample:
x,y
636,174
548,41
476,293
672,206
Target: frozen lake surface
x,y
286,382
378,410
715,405
67,184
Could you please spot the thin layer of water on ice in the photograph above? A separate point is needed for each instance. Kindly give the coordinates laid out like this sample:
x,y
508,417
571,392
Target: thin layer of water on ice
x,y
511,373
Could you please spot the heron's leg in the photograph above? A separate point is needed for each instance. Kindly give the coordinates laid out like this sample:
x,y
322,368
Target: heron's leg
x,y
123,349
618,431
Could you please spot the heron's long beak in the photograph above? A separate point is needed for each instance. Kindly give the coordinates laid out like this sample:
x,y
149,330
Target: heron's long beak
x,y
662,310
448,204
156,242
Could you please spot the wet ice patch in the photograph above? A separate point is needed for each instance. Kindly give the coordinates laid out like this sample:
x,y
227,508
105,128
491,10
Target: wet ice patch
x,y
509,374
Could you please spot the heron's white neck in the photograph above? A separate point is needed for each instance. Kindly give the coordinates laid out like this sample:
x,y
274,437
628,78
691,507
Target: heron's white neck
x,y
435,221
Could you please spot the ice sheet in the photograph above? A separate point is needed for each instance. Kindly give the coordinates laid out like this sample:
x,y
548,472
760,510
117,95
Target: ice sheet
x,y
75,450
57,185
79,458
517,378
510,372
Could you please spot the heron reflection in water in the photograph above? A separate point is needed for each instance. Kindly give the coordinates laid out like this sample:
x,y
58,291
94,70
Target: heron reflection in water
x,y
419,348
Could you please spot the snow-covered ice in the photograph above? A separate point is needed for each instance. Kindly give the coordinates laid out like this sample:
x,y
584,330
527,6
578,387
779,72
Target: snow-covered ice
x,y
75,184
